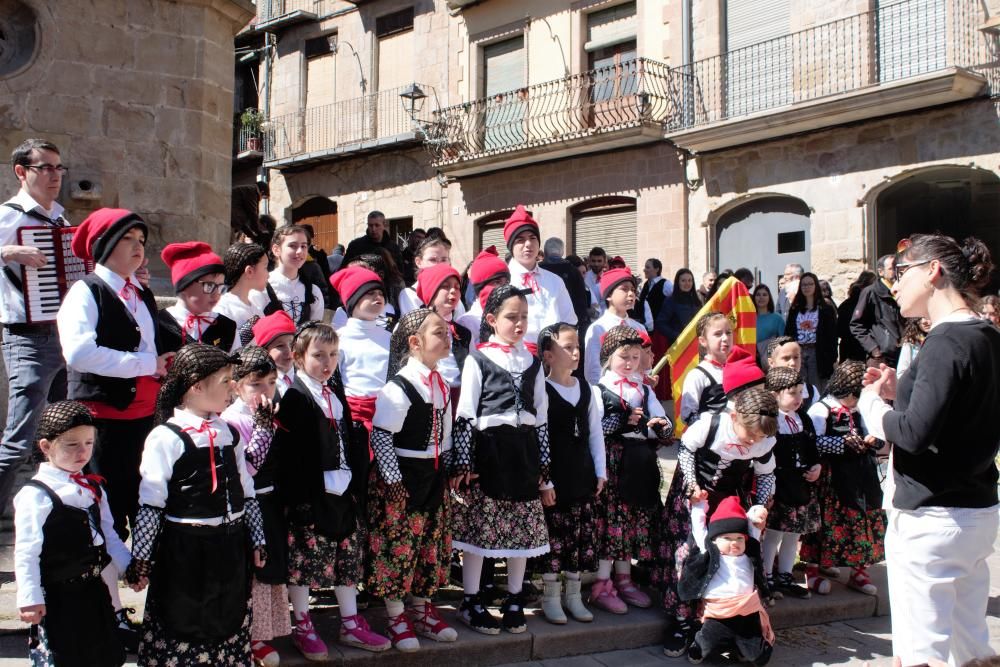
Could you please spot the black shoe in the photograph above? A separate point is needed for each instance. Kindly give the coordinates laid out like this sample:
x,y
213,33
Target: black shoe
x,y
695,654
784,583
678,639
774,593
513,614
530,594
127,630
491,596
475,615
765,656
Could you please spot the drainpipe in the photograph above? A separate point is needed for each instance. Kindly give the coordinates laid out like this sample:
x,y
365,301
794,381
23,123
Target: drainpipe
x,y
263,176
687,57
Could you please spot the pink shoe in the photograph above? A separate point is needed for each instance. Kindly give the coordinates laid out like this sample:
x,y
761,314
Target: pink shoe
x,y
305,639
604,596
354,631
630,593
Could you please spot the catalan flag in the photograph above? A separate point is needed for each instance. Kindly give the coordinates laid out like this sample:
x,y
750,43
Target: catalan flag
x,y
733,300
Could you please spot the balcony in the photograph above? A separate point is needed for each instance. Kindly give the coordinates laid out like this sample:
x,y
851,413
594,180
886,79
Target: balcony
x,y
279,14
898,58
361,125
597,110
248,136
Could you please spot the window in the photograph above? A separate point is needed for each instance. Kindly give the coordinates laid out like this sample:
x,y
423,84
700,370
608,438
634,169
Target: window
x,y
392,23
609,223
791,242
503,81
611,54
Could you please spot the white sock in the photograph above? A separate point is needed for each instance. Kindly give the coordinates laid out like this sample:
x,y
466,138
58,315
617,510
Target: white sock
x,y
515,574
623,567
769,548
786,555
394,608
110,577
347,600
472,569
550,577
572,576
418,603
299,597
604,569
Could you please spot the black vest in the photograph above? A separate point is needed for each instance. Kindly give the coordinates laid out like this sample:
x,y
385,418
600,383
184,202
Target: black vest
x,y
653,295
572,467
274,303
794,453
220,333
461,342
423,479
713,398
189,491
854,475
639,475
116,329
68,549
500,394
732,481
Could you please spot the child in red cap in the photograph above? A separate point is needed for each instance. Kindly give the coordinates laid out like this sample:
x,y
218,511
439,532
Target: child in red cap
x,y
487,269
724,569
440,288
198,276
275,333
618,292
433,251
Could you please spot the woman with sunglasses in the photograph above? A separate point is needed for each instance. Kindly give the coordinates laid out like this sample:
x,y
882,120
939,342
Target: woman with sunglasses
x,y
812,322
942,489
198,275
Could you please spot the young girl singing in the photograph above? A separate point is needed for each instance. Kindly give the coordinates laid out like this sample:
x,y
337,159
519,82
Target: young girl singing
x,y
246,275
486,270
501,459
326,537
618,291
275,333
199,281
628,512
252,415
440,288
702,389
579,474
197,519
65,538
410,541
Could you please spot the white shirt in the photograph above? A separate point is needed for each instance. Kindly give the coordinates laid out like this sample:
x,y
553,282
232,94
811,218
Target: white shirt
x,y
32,507
517,361
472,319
285,380
11,298
448,367
292,295
735,574
180,314
549,304
163,448
592,342
594,414
695,384
364,357
727,445
77,323
819,412
784,428
239,312
666,287
392,405
593,283
634,397
334,481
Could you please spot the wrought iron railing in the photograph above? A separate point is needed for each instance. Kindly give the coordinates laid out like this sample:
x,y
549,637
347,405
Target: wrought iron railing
x,y
604,100
249,138
268,10
376,117
886,45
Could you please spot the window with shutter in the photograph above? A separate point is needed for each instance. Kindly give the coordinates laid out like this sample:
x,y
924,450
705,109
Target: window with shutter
x,y
503,79
612,228
911,37
758,64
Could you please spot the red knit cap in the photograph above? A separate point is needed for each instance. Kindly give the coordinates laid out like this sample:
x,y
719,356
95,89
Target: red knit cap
x,y
728,517
97,236
353,283
484,295
267,328
740,372
612,278
646,340
486,266
519,221
189,261
617,262
429,281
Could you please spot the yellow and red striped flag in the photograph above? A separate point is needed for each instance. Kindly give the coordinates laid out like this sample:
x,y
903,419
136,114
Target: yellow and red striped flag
x,y
732,300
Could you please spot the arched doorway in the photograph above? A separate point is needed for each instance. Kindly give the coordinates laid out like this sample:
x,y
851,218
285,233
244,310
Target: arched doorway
x,y
321,213
957,201
764,235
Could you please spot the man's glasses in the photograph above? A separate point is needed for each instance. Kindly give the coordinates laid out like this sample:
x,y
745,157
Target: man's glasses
x,y
211,288
48,169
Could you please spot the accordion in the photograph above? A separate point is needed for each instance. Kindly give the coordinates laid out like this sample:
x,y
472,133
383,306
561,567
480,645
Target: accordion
x,y
44,288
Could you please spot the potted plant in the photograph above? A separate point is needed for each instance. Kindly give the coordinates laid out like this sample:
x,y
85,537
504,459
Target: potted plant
x,y
251,121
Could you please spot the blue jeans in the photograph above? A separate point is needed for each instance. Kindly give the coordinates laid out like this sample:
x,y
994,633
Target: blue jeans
x,y
33,362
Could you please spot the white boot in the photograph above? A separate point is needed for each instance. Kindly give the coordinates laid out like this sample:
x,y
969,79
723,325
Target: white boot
x,y
574,602
552,604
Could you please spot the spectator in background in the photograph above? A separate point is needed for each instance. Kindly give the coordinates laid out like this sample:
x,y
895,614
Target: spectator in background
x,y
745,276
597,260
769,323
989,309
707,287
316,269
813,324
409,266
827,291
723,276
788,286
914,333
578,292
876,321
376,237
335,258
850,348
679,308
654,292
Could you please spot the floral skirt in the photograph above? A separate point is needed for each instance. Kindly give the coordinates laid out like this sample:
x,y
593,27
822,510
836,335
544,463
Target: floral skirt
x,y
498,528
624,531
847,537
799,519
158,649
572,538
270,612
672,548
317,561
409,552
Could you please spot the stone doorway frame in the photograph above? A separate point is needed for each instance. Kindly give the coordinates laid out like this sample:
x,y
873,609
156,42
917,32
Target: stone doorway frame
x,y
711,222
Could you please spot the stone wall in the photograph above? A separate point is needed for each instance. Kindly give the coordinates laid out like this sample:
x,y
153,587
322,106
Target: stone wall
x,y
138,95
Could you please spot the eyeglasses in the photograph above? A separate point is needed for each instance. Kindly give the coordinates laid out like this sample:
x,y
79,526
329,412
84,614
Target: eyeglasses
x,y
48,169
903,267
211,288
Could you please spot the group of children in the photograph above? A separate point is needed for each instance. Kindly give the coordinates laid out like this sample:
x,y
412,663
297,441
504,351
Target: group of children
x,y
289,456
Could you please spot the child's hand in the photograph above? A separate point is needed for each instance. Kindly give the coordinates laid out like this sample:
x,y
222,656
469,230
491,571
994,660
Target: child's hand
x,y
32,614
871,441
757,515
548,497
600,486
653,380
657,422
698,495
163,363
636,415
139,585
854,443
465,479
812,474
259,556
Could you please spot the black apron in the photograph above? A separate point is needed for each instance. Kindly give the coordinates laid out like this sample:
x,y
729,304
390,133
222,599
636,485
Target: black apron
x,y
853,475
639,476
508,462
425,483
275,570
572,467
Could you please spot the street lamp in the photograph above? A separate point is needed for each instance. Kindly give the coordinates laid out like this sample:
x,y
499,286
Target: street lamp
x,y
413,98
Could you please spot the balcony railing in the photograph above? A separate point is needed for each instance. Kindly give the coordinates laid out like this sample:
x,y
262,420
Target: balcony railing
x,y
350,126
249,140
883,46
634,94
271,10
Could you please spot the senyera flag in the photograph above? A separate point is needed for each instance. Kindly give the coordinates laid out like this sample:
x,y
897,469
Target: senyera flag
x,y
733,300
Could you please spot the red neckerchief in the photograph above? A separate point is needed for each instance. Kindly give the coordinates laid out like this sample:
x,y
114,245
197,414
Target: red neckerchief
x,y
329,405
435,378
840,411
740,447
498,346
621,390
128,292
714,362
205,426
90,482
792,426
528,279
194,322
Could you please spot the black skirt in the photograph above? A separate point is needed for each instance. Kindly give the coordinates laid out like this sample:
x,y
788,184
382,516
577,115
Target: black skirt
x,y
508,463
639,481
275,570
